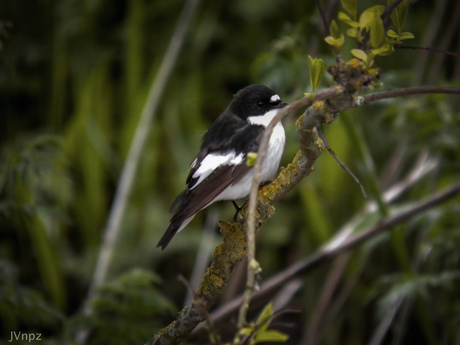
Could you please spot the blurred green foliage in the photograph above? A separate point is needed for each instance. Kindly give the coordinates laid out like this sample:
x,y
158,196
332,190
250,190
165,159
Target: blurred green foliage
x,y
73,80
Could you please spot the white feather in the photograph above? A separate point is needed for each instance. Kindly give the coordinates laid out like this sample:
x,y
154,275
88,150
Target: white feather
x,y
212,161
242,188
271,163
264,119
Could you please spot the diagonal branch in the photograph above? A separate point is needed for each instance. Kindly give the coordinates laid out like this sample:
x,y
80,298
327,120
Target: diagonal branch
x,y
325,106
416,90
335,248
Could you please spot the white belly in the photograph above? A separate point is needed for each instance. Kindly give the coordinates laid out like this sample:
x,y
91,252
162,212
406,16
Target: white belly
x,y
269,169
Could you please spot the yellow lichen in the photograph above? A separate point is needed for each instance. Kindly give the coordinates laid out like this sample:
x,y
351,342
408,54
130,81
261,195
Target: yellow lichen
x,y
354,63
320,144
318,105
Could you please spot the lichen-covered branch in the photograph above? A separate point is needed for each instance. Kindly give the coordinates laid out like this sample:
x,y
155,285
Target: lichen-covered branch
x,y
350,78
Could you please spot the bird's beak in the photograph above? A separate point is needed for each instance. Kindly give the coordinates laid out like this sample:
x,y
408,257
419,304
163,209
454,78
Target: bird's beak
x,y
281,105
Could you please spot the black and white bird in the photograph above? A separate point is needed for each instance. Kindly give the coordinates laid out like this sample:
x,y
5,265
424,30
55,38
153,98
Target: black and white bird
x,y
220,171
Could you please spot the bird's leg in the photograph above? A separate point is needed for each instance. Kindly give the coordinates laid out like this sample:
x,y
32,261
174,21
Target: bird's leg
x,y
264,183
237,208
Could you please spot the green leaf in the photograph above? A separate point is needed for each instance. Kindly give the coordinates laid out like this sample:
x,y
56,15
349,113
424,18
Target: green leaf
x,y
263,334
264,318
335,42
352,32
334,29
369,15
251,159
247,330
270,336
343,17
392,34
316,71
350,6
398,16
384,50
377,32
406,36
358,53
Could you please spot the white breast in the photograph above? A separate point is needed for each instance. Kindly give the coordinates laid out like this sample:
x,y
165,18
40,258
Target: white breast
x,y
271,162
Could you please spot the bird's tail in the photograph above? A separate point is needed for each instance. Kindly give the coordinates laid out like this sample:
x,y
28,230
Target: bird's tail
x,y
173,228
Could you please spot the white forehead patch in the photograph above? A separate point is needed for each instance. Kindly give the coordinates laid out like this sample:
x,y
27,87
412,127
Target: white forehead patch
x,y
275,99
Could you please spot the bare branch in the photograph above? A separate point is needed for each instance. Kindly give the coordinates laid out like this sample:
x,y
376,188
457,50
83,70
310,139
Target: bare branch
x,y
457,56
329,252
323,17
417,90
326,105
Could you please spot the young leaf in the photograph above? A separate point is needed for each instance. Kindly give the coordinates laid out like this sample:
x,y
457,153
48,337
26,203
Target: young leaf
x,y
358,53
316,71
377,32
352,32
392,34
406,36
385,49
350,6
270,336
251,159
398,16
337,43
343,17
334,29
369,15
264,317
263,334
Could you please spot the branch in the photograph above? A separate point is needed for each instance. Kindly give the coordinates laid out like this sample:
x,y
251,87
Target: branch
x,y
457,56
333,249
350,78
417,90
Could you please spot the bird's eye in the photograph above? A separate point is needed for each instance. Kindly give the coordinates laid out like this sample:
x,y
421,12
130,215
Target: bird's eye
x,y
260,104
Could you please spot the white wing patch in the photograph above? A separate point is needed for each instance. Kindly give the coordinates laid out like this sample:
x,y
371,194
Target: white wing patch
x,y
212,161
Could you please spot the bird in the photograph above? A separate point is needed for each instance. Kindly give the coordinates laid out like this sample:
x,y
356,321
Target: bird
x,y
220,170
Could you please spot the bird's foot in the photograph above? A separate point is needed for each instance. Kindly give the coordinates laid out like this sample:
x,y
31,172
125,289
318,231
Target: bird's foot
x,y
237,208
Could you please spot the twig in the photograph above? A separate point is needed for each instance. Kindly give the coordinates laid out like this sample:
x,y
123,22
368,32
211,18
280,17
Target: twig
x,y
329,252
131,165
416,90
323,16
213,336
250,224
327,104
322,136
457,56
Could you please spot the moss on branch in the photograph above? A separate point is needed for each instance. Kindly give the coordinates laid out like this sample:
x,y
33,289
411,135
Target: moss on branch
x,y
350,78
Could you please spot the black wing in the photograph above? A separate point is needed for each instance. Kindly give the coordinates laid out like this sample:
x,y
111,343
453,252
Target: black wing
x,y
188,203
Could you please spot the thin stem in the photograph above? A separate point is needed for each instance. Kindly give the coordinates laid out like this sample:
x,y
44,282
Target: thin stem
x,y
323,16
331,251
417,90
250,224
457,56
